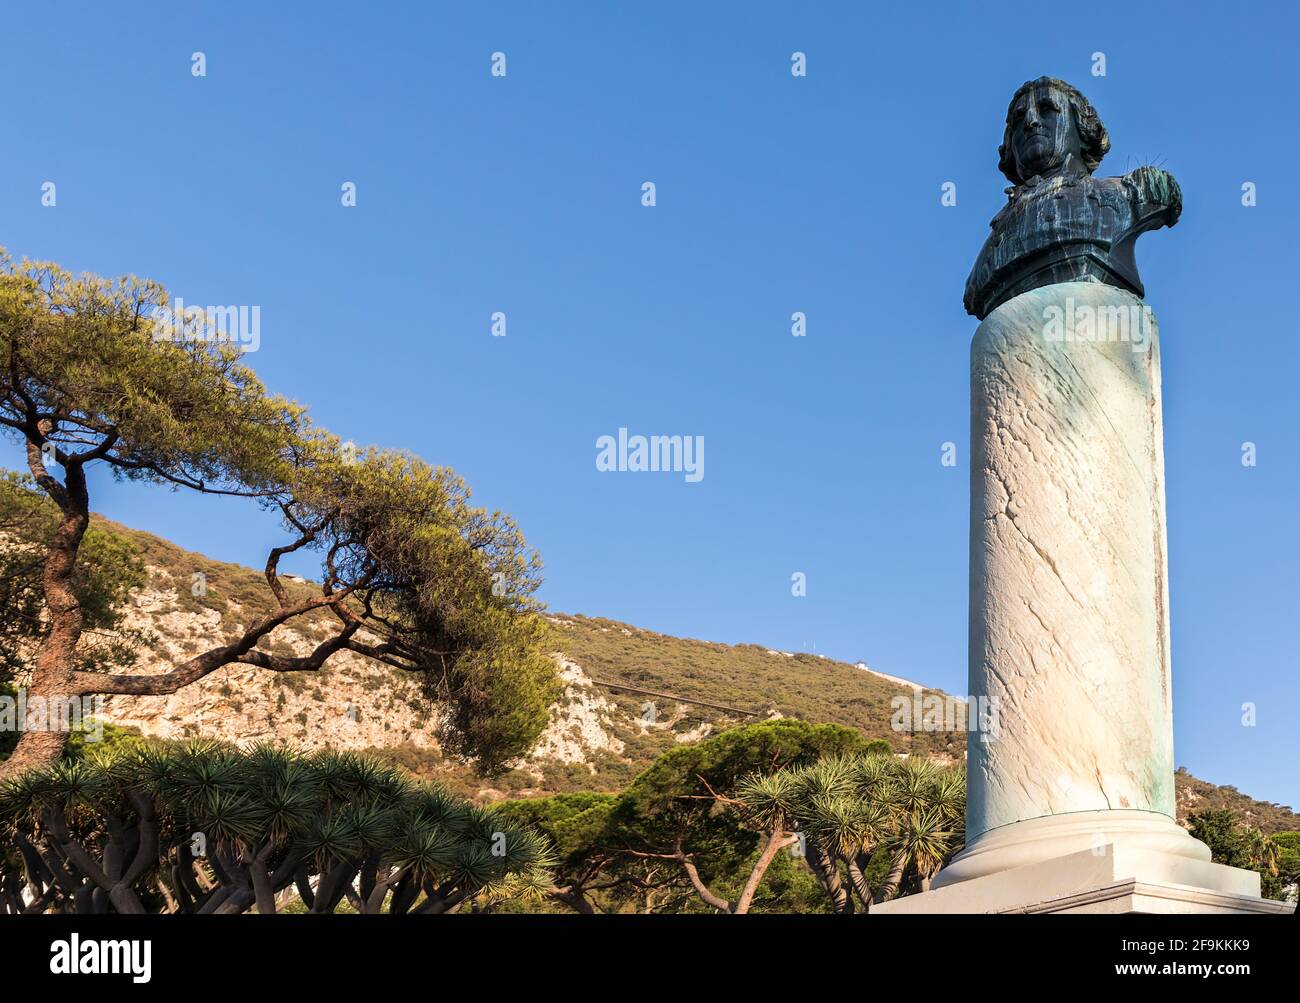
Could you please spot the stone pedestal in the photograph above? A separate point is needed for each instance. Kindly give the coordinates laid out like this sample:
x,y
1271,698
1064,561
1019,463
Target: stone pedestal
x,y
1069,620
1111,878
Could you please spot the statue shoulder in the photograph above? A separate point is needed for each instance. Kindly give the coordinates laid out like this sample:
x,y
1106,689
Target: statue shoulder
x,y
1155,192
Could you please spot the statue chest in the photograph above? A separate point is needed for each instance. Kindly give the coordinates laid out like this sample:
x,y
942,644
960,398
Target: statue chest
x,y
1059,221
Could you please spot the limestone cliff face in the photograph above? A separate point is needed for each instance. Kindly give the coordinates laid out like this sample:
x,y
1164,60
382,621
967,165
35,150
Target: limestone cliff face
x,y
581,721
349,704
352,703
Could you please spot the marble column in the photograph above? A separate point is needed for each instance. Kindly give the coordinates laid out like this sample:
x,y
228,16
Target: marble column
x,y
1069,597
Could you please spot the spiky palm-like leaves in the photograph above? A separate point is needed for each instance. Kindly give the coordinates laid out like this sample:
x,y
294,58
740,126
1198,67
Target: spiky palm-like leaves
x,y
769,801
202,827
924,839
851,808
426,853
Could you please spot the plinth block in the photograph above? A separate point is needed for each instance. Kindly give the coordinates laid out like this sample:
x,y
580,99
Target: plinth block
x,y
1109,879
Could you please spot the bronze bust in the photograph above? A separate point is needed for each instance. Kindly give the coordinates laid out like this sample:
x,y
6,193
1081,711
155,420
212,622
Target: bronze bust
x,y
1060,224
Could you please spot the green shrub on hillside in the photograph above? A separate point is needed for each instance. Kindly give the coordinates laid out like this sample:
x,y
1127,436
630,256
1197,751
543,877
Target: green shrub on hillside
x,y
1235,844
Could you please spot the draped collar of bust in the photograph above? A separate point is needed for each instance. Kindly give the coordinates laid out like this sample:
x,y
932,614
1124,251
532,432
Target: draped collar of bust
x,y
1071,174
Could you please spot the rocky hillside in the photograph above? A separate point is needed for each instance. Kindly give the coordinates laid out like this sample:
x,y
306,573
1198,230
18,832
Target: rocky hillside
x,y
630,694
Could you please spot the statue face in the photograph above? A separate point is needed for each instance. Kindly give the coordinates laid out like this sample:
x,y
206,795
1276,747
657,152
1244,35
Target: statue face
x,y
1043,133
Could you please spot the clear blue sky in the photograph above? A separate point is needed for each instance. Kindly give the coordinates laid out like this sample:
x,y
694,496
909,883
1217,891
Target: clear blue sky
x,y
775,194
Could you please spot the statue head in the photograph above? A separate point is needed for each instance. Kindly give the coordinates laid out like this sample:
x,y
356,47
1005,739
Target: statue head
x,y
1050,126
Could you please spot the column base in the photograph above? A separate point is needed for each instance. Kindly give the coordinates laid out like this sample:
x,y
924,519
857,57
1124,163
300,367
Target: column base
x,y
1034,840
1111,878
